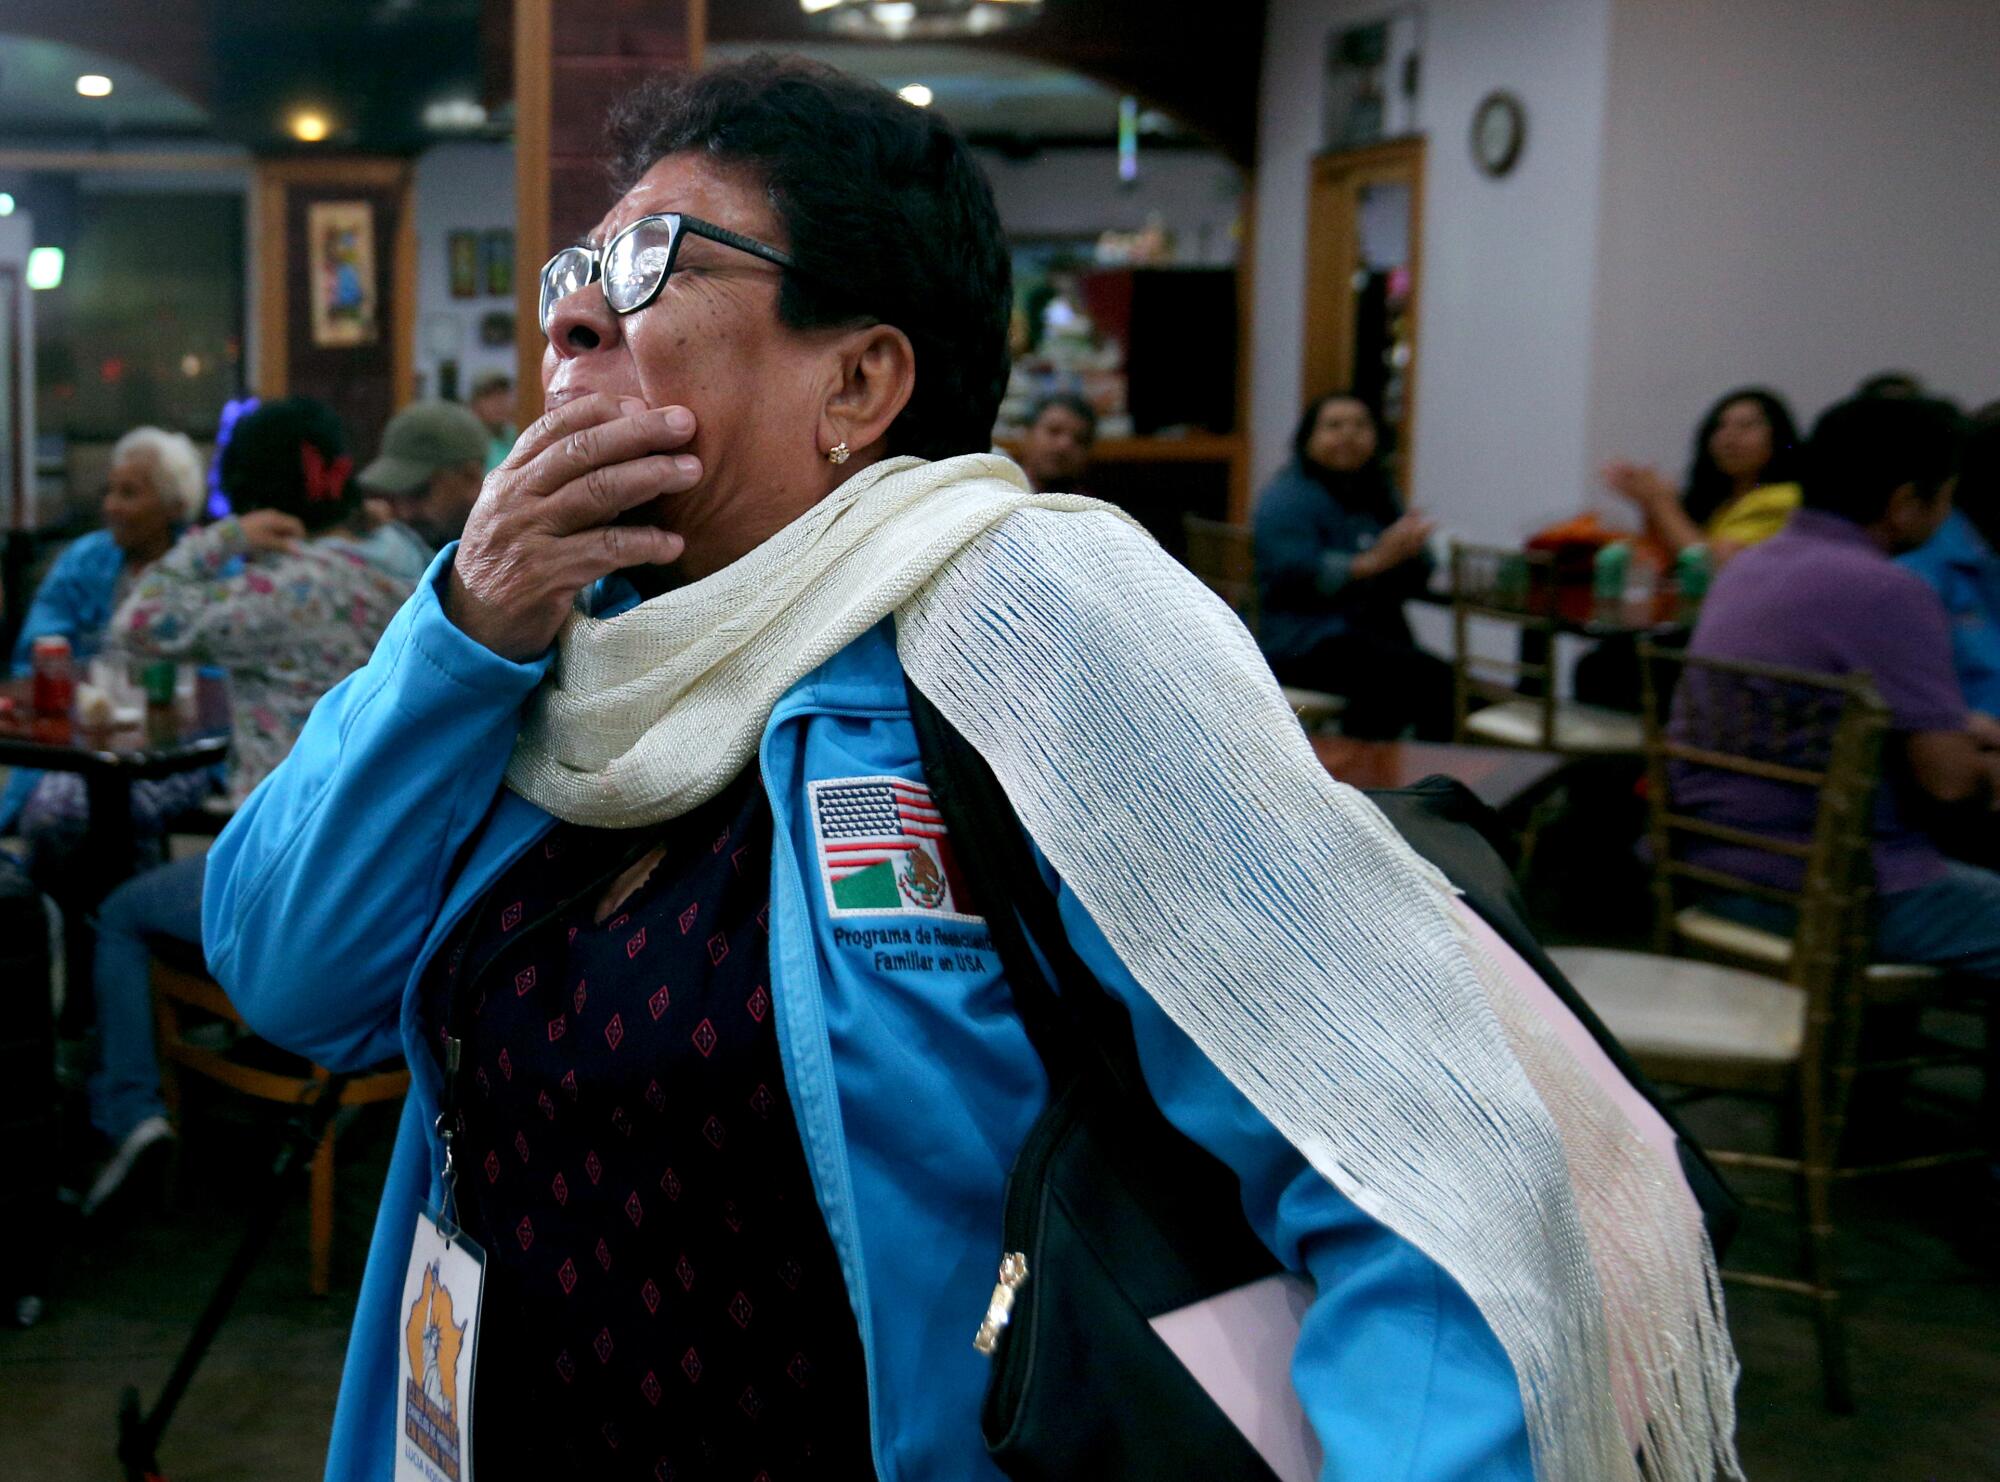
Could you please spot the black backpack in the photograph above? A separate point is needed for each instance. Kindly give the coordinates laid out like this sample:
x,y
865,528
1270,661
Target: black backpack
x,y
1120,1217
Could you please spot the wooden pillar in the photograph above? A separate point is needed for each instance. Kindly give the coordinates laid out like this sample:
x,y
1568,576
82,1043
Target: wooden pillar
x,y
337,287
572,60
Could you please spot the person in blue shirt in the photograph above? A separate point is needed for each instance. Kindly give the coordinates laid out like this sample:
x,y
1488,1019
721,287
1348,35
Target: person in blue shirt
x,y
717,1063
1962,564
1337,556
155,492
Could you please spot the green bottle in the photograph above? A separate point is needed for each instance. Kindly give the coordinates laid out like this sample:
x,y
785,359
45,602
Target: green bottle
x,y
1608,569
1691,573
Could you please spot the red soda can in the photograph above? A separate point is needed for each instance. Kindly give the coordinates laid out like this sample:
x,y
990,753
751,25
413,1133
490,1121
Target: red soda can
x,y
55,675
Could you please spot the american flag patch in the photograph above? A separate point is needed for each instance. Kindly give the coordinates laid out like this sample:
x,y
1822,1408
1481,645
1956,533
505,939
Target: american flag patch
x,y
883,850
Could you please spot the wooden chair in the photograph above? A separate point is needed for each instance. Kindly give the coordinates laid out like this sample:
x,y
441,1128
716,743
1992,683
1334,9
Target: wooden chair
x,y
1785,1026
1224,557
188,1006
1518,588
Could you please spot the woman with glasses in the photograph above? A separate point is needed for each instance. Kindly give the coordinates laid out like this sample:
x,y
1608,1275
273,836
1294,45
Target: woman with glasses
x,y
624,840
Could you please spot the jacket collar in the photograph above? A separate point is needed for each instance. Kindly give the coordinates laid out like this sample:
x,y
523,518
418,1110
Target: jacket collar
x,y
1958,544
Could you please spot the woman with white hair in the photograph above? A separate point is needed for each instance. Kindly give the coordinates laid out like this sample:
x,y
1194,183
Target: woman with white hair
x,y
155,492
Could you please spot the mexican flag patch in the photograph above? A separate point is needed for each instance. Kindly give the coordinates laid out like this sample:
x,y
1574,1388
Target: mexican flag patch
x,y
883,850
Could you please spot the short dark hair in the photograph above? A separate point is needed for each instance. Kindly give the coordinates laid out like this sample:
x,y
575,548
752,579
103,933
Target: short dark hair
x,y
1069,401
886,214
1865,448
1890,383
491,382
1708,488
291,455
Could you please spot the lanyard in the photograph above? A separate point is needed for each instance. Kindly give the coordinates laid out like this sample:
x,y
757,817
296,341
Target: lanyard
x,y
461,1004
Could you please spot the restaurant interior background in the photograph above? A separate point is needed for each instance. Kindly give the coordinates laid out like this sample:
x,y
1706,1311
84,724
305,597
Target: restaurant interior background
x,y
1541,233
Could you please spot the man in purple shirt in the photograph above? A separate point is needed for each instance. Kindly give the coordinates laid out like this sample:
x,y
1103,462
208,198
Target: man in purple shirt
x,y
1827,595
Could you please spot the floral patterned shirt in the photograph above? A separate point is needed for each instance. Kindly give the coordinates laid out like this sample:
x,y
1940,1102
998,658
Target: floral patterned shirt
x,y
286,627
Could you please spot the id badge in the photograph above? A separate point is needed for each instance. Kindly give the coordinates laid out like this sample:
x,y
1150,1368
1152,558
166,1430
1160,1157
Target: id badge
x,y
434,1360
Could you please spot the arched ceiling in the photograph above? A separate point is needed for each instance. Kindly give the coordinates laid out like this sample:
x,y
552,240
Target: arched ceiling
x,y
375,63
38,96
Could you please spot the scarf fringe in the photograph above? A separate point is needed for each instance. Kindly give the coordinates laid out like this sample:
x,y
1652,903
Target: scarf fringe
x,y
1271,912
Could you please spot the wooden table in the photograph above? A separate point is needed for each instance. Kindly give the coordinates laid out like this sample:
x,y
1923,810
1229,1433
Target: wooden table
x,y
1504,778
109,759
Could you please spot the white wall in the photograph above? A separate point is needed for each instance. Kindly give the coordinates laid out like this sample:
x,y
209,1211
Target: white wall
x,y
460,187
1507,273
1799,193
1713,193
1076,192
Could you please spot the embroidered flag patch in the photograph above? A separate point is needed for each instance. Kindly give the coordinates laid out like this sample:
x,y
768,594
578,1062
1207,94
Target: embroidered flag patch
x,y
883,850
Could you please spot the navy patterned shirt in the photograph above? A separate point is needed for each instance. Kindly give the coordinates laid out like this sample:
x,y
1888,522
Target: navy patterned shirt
x,y
662,1298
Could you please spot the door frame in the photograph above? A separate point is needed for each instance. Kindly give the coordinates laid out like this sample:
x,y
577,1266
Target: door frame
x,y
270,186
1333,252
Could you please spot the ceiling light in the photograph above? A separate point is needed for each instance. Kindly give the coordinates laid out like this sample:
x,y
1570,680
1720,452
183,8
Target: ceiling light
x,y
94,85
309,127
6,204
915,93
926,20
45,267
454,116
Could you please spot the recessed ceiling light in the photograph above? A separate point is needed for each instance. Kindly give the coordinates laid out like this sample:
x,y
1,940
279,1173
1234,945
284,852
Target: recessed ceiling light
x,y
894,17
6,203
45,267
454,116
915,93
309,127
94,85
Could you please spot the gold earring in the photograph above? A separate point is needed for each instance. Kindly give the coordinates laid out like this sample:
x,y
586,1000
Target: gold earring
x,y
837,454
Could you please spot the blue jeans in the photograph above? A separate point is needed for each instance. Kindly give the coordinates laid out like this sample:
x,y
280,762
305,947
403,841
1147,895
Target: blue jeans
x,y
163,902
1950,923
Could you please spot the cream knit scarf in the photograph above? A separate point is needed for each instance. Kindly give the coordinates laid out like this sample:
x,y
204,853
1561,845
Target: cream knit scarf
x,y
1271,911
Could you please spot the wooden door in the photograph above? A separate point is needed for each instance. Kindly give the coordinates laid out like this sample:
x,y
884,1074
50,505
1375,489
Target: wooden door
x,y
1364,245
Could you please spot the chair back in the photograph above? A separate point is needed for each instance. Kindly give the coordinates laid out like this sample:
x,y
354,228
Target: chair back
x,y
1224,557
1508,585
1818,733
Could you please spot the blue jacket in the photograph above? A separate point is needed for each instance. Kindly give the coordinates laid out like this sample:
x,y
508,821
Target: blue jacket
x,y
342,874
75,599
1306,542
1965,571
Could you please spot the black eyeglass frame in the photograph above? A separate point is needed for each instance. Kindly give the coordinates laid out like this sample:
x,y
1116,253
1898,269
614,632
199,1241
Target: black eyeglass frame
x,y
683,226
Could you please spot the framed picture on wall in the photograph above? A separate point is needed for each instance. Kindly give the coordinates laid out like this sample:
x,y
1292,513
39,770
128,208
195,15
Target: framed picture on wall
x,y
496,250
340,256
462,252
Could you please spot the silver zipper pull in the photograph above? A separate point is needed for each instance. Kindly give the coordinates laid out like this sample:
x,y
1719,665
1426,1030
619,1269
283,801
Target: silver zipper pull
x,y
1000,1306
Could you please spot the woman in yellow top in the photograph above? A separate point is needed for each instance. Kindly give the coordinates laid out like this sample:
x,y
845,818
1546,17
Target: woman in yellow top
x,y
1741,488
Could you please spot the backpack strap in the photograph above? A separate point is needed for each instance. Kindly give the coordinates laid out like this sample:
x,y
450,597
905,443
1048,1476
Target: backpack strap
x,y
1073,1024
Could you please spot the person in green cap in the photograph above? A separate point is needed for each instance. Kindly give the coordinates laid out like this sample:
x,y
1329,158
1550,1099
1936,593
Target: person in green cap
x,y
431,464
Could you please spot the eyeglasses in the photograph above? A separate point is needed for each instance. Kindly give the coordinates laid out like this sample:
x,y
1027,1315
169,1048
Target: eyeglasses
x,y
636,263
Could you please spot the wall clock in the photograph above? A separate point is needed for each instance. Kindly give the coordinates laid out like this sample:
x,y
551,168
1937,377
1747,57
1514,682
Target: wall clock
x,y
1499,129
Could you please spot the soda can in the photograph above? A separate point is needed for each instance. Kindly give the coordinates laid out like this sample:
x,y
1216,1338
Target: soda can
x,y
54,669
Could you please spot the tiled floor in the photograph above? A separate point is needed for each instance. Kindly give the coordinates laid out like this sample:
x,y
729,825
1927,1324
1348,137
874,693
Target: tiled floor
x,y
1925,1328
